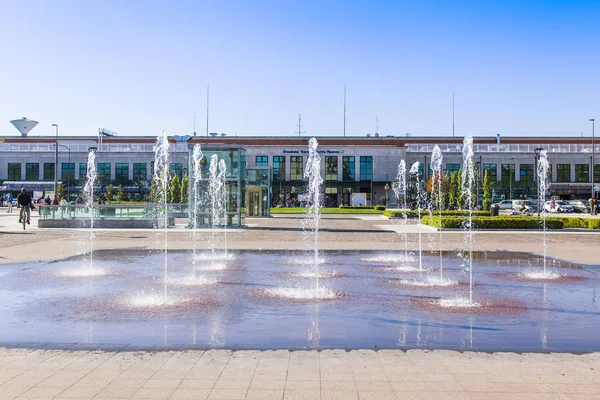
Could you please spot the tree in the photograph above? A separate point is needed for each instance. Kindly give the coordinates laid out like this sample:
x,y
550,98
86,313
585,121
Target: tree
x,y
120,194
487,191
445,183
185,182
453,193
61,192
109,192
175,190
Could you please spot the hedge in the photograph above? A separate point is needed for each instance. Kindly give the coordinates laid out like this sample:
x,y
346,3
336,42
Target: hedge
x,y
495,222
445,213
586,223
380,208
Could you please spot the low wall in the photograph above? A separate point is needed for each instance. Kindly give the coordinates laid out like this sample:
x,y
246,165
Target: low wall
x,y
101,223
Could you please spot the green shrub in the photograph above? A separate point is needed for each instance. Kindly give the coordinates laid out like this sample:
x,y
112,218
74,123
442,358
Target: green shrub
x,y
494,222
360,207
575,222
380,208
593,223
415,213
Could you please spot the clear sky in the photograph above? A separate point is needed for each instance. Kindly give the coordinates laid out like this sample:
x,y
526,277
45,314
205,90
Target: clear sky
x,y
138,66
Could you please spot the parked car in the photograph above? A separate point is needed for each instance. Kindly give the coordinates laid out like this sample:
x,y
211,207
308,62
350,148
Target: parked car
x,y
579,206
504,204
560,207
529,205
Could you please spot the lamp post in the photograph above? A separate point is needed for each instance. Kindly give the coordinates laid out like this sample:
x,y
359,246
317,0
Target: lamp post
x,y
387,188
592,120
69,175
56,162
538,151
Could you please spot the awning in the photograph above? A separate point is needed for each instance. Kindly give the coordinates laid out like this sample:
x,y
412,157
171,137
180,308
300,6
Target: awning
x,y
30,186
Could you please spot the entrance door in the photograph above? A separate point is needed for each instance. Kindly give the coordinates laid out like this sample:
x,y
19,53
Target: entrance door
x,y
254,202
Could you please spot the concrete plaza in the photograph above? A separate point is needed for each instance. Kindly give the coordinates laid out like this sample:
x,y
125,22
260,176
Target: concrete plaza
x,y
85,371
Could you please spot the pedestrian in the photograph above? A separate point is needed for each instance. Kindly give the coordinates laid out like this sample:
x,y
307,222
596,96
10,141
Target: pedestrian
x,y
48,201
24,201
9,200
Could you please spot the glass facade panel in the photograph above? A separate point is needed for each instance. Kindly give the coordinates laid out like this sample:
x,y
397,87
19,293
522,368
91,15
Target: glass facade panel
x,y
596,173
526,172
121,172
492,170
48,171
296,168
582,173
348,168
139,172
366,168
177,169
67,172
82,171
331,168
32,171
262,161
14,171
508,174
103,172
450,168
563,172
278,168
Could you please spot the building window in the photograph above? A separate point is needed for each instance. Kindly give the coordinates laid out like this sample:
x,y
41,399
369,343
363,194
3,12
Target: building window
x,y
526,172
67,172
296,168
82,171
366,168
48,171
278,168
330,190
563,172
508,174
176,169
121,172
492,170
596,173
582,173
32,171
262,161
450,168
14,171
103,172
139,172
348,170
331,168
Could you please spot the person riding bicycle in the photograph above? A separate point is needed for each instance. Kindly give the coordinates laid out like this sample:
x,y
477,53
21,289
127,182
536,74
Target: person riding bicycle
x,y
24,201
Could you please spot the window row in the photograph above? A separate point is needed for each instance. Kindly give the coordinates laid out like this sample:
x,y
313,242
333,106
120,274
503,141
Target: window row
x,y
103,171
331,167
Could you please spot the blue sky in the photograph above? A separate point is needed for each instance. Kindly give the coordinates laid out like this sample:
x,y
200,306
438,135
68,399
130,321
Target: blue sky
x,y
517,67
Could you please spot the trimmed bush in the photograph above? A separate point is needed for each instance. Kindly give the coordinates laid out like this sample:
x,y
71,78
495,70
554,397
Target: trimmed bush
x,y
494,222
445,213
585,223
593,223
361,207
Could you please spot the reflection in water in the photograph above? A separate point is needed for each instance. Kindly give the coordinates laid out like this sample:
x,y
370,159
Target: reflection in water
x,y
314,334
467,339
217,332
419,333
544,321
402,340
90,333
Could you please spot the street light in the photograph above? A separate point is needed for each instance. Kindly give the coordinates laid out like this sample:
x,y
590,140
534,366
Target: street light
x,y
592,120
69,175
538,151
56,163
387,199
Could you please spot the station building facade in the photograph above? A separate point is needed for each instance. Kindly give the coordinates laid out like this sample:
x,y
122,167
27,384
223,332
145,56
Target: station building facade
x,y
349,164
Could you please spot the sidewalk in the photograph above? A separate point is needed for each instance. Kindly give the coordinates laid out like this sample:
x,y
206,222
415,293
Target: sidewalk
x,y
302,375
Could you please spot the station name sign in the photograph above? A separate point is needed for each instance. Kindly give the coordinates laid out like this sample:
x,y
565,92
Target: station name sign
x,y
318,151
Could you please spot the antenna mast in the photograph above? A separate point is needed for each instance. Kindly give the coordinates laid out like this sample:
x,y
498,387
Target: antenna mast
x,y
300,131
377,126
195,123
344,110
452,114
207,102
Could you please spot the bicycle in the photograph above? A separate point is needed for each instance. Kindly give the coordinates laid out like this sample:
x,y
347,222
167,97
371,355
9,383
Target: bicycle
x,y
23,216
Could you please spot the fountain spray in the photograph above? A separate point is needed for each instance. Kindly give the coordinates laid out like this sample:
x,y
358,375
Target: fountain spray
x,y
542,171
88,189
414,171
197,157
467,192
400,190
436,167
161,184
313,210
